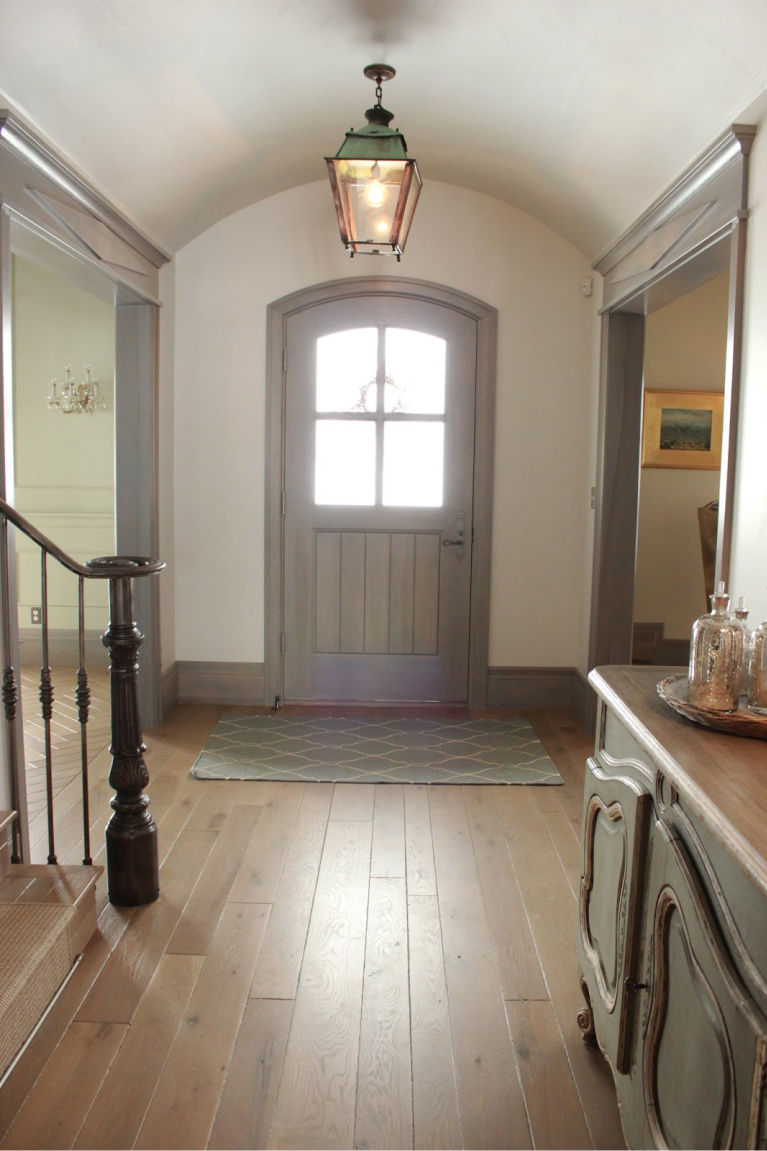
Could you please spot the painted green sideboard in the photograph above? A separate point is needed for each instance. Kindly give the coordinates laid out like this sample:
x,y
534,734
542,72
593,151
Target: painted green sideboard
x,y
672,932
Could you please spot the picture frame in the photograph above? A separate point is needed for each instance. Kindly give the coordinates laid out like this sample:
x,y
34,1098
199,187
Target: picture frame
x,y
682,429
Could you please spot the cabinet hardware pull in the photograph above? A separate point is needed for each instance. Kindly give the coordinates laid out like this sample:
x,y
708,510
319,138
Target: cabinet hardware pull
x,y
632,986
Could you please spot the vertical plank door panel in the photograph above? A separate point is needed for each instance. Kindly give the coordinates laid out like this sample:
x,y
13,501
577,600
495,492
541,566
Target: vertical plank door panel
x,y
426,593
377,562
352,628
328,592
401,592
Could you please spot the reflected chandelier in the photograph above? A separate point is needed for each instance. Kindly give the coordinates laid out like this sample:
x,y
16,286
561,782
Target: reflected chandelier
x,y
73,397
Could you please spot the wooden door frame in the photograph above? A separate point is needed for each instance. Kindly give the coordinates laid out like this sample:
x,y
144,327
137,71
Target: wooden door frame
x,y
692,233
485,317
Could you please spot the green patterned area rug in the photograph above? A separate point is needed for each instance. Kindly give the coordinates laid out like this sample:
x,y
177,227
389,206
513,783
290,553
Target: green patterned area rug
x,y
373,750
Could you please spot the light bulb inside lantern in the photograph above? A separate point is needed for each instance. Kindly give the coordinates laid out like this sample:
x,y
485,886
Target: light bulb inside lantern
x,y
375,193
382,227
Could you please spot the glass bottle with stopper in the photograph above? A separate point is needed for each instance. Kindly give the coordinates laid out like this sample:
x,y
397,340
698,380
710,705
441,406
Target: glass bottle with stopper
x,y
741,613
757,679
716,657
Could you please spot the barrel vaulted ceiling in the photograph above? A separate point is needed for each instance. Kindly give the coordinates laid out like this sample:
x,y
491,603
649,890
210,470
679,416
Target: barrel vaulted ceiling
x,y
580,112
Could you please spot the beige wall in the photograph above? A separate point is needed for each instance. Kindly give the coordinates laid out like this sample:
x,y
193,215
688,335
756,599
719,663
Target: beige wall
x,y
547,352
63,464
166,465
685,348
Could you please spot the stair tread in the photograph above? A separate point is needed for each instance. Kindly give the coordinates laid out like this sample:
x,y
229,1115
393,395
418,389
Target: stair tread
x,y
49,883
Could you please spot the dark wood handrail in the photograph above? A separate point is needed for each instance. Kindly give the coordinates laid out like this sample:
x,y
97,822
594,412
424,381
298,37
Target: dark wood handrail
x,y
131,835
106,567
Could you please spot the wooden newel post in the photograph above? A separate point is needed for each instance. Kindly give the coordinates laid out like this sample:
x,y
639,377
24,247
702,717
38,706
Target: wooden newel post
x,y
131,834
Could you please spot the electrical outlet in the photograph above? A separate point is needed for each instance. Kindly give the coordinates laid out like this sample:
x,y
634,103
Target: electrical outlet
x,y
37,615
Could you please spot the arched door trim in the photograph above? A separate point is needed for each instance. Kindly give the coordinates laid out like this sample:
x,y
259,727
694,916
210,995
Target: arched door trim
x,y
486,320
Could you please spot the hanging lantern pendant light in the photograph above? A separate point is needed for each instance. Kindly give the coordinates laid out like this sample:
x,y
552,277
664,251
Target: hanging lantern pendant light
x,y
375,186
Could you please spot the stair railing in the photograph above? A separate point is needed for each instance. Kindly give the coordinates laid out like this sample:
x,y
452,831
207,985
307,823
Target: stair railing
x,y
131,834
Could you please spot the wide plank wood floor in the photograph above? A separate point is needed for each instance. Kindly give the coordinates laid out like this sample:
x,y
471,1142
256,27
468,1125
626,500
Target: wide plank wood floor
x,y
327,966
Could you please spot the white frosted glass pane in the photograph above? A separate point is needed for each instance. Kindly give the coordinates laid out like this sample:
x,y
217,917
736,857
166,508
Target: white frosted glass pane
x,y
347,363
345,462
412,465
415,372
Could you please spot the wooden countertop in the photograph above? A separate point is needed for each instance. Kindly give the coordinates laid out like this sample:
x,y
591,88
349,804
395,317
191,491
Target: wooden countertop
x,y
723,776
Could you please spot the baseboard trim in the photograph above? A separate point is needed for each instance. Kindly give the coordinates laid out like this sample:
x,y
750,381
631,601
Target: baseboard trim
x,y
537,689
63,648
509,688
211,682
169,688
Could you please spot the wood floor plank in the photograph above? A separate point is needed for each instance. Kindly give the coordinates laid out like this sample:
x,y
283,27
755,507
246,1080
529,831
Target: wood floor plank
x,y
56,1106
489,1093
264,859
134,961
121,1103
200,917
353,801
111,925
419,850
551,911
552,1101
388,854
316,1104
436,1122
515,953
384,1077
566,846
244,1116
279,962
184,1105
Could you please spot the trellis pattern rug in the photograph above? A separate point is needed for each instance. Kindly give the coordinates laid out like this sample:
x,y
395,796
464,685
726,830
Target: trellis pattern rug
x,y
344,749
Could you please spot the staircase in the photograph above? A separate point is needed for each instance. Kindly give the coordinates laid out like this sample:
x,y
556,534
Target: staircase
x,y
47,916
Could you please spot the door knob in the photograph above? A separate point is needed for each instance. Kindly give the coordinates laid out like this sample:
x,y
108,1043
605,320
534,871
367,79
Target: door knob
x,y
457,543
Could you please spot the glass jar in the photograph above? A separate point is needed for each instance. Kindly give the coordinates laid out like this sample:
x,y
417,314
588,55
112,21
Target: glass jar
x,y
716,657
757,679
741,613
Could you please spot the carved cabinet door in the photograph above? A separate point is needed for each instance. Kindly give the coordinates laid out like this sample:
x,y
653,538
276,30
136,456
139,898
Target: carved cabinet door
x,y
616,810
704,1040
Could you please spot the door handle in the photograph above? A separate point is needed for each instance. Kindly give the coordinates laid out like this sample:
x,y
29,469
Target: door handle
x,y
457,543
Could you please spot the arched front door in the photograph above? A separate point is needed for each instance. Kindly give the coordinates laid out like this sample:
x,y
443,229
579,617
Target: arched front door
x,y
379,413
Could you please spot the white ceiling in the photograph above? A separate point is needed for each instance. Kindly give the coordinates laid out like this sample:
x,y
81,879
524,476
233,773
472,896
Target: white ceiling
x,y
577,111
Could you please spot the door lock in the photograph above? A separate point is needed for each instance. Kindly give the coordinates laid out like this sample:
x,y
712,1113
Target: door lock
x,y
458,542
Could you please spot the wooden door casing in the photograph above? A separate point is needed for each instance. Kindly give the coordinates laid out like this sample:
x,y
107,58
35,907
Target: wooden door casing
x,y
375,608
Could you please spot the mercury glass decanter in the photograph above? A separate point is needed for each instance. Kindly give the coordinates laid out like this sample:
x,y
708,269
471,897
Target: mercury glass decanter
x,y
716,657
757,680
741,613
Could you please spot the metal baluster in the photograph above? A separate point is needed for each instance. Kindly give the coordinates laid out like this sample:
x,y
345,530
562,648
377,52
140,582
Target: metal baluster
x,y
10,694
83,697
46,701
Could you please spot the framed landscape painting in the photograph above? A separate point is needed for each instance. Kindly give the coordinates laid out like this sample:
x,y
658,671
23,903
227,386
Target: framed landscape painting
x,y
682,429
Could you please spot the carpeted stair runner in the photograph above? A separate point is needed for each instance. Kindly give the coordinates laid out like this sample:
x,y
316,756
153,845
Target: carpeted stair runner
x,y
35,960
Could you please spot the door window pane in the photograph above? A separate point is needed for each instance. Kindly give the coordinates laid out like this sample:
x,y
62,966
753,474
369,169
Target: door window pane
x,y
412,464
415,372
347,363
345,462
